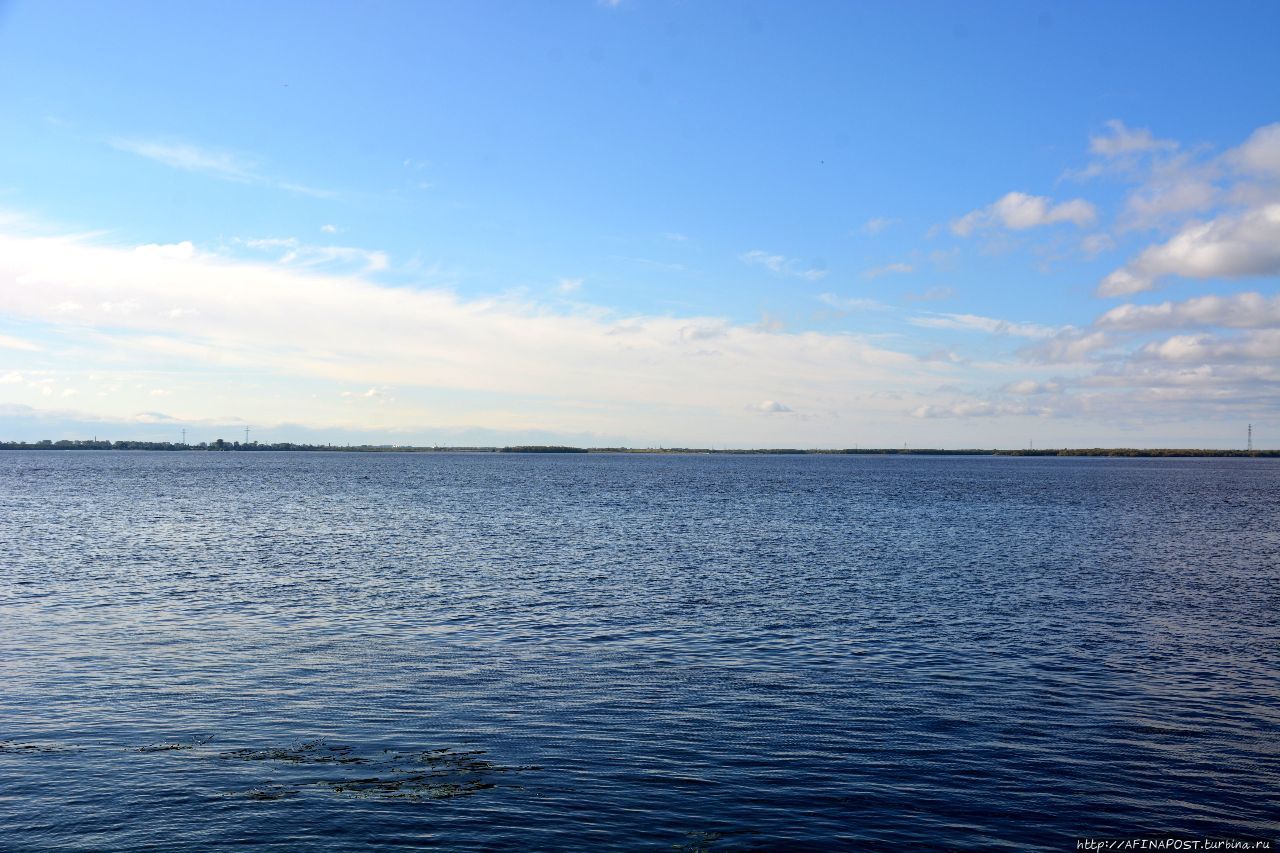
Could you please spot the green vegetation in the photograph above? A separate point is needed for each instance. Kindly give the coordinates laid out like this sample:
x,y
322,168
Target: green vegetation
x,y
235,446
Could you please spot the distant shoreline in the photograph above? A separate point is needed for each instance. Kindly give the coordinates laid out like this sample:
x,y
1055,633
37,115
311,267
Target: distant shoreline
x,y
221,446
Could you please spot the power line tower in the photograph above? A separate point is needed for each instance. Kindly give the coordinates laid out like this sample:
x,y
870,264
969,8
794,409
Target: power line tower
x,y
1250,446
246,435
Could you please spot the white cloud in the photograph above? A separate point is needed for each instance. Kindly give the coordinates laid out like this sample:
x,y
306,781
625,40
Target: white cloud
x,y
1172,188
1096,244
851,303
1120,140
1242,311
973,409
703,332
1019,211
306,255
1027,387
1230,246
379,395
783,265
770,407
290,327
1070,346
329,229
191,158
878,223
174,251
1261,345
569,285
10,342
1260,153
976,323
933,294
888,269
216,163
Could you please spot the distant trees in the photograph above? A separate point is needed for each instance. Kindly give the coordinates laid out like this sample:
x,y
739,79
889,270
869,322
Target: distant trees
x,y
226,446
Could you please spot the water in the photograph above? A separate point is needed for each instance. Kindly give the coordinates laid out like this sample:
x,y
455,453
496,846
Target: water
x,y
498,652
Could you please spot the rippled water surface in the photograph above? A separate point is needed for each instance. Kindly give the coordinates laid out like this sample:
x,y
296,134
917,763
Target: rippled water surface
x,y
508,652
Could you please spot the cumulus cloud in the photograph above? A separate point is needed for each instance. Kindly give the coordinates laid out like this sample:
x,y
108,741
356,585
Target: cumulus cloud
x,y
1172,183
1169,196
770,407
783,265
1262,345
1241,310
1260,153
1070,346
1019,211
1229,246
1119,140
1220,357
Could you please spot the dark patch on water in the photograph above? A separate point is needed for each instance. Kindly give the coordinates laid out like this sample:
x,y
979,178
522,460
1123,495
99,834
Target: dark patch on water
x,y
12,747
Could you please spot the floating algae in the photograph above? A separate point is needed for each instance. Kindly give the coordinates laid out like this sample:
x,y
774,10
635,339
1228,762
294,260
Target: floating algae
x,y
303,752
8,746
270,792
175,746
393,775
437,774
318,765
713,842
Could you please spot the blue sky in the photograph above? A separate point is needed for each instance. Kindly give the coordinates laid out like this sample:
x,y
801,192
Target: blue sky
x,y
651,223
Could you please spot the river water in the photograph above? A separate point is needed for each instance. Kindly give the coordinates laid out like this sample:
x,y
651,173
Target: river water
x,y
634,652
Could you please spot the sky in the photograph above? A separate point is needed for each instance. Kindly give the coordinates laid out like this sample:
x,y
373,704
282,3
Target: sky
x,y
642,223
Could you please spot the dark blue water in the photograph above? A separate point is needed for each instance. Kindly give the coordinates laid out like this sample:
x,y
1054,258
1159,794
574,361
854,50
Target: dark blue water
x,y
498,652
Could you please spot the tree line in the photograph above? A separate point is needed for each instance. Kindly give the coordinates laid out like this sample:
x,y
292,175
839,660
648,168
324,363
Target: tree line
x,y
221,445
